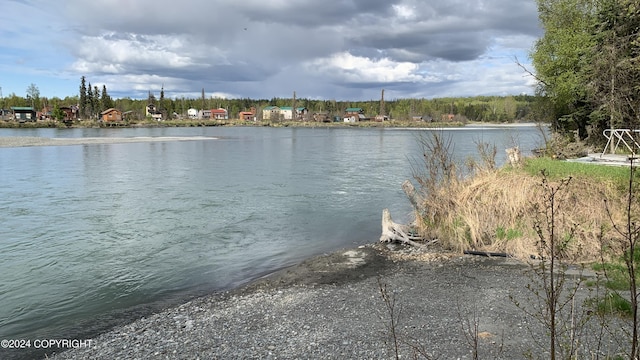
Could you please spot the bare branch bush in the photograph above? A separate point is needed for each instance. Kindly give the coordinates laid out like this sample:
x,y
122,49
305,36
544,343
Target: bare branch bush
x,y
395,338
470,327
437,175
554,304
487,161
626,244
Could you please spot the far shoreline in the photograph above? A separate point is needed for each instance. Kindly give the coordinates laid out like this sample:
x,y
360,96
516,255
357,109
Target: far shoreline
x,y
83,124
29,141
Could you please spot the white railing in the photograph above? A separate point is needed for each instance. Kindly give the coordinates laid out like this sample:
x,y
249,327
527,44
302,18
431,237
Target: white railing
x,y
616,137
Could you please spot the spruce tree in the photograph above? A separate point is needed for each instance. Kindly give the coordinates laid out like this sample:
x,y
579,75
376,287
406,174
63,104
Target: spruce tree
x,y
89,102
95,101
82,105
105,100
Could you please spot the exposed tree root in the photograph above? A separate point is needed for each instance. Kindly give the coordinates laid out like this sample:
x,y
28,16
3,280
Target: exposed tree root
x,y
392,232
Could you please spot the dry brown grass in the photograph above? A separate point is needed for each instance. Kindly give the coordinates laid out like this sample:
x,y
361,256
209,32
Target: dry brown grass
x,y
496,211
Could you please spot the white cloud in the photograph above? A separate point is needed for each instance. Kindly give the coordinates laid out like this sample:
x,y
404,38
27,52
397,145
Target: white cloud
x,y
404,11
356,69
115,55
263,49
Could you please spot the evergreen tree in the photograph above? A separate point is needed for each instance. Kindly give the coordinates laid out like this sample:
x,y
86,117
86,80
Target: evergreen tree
x,y
57,113
95,101
105,100
82,103
161,106
89,102
615,69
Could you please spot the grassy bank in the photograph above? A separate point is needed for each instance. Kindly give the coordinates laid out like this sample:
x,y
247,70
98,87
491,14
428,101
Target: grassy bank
x,y
498,210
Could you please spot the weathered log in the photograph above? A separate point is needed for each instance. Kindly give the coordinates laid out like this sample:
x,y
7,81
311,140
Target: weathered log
x,y
392,231
411,193
514,157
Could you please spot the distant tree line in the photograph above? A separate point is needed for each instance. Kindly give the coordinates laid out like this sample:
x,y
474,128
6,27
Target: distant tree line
x,y
92,100
588,65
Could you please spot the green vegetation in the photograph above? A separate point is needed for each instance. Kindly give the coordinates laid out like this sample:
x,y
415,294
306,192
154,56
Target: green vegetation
x,y
587,65
508,234
92,100
484,211
617,276
616,280
612,303
562,169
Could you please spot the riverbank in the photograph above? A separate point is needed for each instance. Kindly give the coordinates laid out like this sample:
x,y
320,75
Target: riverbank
x,y
330,307
213,123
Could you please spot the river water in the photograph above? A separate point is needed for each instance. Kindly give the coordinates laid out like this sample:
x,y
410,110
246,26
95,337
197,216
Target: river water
x,y
95,235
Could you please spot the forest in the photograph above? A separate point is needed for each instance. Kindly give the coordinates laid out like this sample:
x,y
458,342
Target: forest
x,y
587,65
92,100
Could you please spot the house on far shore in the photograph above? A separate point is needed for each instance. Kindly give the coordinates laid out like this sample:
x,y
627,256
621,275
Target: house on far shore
x,y
354,115
70,112
153,112
24,113
448,117
219,114
6,114
46,113
192,113
127,115
111,115
271,113
288,114
248,115
204,114
353,111
322,116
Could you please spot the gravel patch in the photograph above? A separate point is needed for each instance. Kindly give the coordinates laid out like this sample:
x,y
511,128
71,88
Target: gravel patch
x,y
329,307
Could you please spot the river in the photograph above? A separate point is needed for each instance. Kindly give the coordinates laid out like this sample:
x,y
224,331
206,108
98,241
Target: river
x,y
94,235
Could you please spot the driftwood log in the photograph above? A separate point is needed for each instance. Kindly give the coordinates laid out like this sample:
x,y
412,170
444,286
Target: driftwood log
x,y
514,156
411,193
392,232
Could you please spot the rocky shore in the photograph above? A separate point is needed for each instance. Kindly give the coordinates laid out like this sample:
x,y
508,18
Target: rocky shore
x,y
330,307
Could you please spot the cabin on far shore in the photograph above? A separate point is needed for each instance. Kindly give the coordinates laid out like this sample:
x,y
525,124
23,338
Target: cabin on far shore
x,y
24,113
248,115
111,115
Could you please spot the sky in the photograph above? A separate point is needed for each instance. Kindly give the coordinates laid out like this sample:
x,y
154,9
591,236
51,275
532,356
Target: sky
x,y
261,49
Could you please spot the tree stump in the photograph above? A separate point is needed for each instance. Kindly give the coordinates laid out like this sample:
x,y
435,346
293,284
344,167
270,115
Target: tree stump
x,y
392,232
514,157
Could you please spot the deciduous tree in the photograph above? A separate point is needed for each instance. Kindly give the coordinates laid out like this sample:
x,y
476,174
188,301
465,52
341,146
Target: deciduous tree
x,y
560,58
33,94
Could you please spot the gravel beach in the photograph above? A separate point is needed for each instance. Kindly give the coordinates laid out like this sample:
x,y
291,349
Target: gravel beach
x,y
330,307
